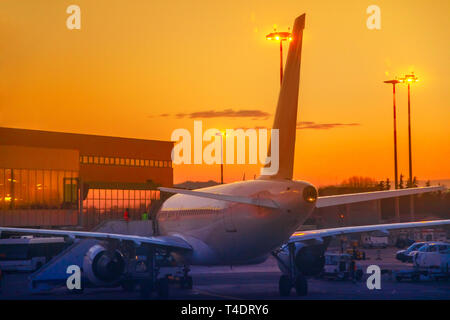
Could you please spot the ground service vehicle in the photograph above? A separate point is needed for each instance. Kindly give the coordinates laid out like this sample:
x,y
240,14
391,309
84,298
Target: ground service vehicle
x,y
28,253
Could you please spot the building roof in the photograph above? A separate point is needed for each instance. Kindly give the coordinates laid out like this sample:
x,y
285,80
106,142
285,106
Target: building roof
x,y
88,144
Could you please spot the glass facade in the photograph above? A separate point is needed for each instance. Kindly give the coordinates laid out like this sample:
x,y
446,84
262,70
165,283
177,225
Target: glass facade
x,y
105,204
38,189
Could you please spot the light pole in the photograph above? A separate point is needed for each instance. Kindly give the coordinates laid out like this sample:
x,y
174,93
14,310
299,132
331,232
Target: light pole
x,y
280,36
408,79
394,82
397,209
221,134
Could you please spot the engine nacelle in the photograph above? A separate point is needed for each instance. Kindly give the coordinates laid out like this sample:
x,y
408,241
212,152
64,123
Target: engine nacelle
x,y
309,259
103,267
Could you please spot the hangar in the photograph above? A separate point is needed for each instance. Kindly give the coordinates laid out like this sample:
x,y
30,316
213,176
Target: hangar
x,y
56,179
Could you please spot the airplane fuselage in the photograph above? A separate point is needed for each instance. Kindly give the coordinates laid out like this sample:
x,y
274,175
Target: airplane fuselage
x,y
227,233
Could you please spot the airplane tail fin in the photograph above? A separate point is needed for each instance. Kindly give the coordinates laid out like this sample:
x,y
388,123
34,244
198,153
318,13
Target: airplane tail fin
x,y
286,114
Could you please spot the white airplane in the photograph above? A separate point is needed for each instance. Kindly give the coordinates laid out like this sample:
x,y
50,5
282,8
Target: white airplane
x,y
241,222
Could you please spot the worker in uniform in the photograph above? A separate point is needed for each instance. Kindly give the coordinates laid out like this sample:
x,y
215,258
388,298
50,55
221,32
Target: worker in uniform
x,y
353,270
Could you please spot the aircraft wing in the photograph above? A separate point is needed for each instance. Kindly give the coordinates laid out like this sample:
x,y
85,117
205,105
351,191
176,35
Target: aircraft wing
x,y
169,242
224,197
322,233
340,199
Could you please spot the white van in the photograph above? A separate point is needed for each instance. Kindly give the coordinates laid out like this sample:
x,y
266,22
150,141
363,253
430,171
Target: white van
x,y
433,255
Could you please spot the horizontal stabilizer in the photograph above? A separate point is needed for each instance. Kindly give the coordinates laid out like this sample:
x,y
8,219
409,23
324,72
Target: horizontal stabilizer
x,y
321,233
336,200
268,203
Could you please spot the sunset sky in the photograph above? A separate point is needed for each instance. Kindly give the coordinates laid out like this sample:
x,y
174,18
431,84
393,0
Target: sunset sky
x,y
142,69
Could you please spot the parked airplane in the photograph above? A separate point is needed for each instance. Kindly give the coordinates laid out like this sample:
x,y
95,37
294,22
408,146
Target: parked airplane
x,y
241,222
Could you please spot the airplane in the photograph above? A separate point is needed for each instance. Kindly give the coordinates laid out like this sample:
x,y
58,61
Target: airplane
x,y
238,223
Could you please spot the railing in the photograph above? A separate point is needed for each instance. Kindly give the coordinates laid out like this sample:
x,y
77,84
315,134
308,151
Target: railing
x,y
38,217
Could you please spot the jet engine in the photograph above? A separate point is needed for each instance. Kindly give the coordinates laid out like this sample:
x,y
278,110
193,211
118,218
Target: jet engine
x,y
103,267
309,258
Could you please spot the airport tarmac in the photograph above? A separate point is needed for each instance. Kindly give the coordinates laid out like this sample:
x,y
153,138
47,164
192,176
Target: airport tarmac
x,y
256,282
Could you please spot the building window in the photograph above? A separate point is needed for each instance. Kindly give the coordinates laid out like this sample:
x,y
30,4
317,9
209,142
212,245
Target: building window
x,y
125,162
36,189
112,203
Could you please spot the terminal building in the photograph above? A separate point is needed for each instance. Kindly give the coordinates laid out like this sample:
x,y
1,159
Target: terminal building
x,y
54,179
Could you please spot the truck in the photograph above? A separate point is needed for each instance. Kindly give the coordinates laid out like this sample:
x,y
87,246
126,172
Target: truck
x,y
379,240
341,266
432,262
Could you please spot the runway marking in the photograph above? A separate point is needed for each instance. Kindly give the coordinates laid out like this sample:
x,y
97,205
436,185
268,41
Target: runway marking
x,y
216,295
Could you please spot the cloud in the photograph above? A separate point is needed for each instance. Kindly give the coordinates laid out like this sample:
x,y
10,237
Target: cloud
x,y
323,126
256,128
162,115
227,113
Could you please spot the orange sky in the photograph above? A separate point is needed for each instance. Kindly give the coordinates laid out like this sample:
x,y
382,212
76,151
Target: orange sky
x,y
135,60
